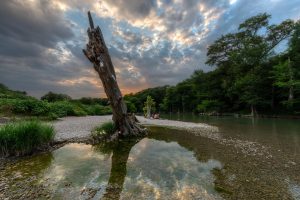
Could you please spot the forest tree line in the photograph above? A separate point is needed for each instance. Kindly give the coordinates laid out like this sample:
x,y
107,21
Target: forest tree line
x,y
251,74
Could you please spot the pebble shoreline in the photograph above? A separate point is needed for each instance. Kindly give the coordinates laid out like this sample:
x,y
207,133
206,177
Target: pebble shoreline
x,y
80,127
72,129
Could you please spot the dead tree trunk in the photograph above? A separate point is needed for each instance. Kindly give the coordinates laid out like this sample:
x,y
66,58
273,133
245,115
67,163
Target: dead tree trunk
x,y
97,53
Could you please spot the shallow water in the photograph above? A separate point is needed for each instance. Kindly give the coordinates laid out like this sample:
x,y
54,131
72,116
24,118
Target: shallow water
x,y
280,134
167,164
151,169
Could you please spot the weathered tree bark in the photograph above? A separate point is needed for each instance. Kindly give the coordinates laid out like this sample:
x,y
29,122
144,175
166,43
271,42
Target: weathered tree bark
x,y
97,53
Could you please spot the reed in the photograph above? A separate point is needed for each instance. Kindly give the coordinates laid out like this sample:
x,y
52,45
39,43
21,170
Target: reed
x,y
24,137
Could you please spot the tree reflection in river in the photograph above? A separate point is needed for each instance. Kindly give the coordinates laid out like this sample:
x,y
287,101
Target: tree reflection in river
x,y
120,152
242,177
157,167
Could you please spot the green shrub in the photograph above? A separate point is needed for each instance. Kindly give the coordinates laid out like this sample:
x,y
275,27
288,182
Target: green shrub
x,y
130,107
79,111
208,106
93,101
53,97
107,128
101,110
22,106
28,106
22,138
52,116
41,108
62,108
97,110
51,107
6,106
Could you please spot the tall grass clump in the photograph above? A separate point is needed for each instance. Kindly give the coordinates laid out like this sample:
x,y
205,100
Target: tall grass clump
x,y
24,137
105,129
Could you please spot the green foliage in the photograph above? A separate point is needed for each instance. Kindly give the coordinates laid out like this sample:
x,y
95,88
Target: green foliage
x,y
62,108
248,75
208,106
17,103
243,57
65,108
97,110
92,101
24,106
130,107
6,93
53,97
284,75
52,116
244,75
22,138
149,106
139,98
107,128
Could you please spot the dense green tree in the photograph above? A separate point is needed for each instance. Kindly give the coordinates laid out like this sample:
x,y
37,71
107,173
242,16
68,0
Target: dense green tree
x,y
52,97
139,98
249,74
243,54
93,101
149,106
286,73
130,107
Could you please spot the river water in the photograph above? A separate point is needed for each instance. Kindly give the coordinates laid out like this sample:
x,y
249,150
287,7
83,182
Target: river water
x,y
250,159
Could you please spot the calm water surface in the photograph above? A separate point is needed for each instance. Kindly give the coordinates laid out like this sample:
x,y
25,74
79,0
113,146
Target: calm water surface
x,y
283,134
169,164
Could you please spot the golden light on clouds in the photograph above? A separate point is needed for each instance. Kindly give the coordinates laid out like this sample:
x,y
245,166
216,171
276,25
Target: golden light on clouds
x,y
62,53
61,5
152,43
80,80
158,24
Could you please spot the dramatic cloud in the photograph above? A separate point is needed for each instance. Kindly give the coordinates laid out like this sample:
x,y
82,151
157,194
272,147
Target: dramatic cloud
x,y
152,42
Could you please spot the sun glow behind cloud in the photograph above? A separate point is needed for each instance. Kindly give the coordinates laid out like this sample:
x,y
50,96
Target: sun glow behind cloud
x,y
232,1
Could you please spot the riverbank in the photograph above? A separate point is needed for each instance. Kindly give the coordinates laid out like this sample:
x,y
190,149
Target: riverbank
x,y
235,167
240,115
79,128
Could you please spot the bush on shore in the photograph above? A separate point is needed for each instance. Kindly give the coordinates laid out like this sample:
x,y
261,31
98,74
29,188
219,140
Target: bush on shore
x,y
52,110
51,106
24,137
105,129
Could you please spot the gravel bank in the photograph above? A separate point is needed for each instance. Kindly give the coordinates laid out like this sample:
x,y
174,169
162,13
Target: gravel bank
x,y
80,127
77,127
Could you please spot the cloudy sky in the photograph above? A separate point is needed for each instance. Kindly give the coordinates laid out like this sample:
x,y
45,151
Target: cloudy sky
x,y
152,42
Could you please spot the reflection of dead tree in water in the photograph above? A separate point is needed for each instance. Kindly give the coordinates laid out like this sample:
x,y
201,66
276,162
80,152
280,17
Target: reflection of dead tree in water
x,y
97,53
118,169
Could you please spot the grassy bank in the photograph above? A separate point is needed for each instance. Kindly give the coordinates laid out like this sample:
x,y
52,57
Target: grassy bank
x,y
51,106
24,137
107,128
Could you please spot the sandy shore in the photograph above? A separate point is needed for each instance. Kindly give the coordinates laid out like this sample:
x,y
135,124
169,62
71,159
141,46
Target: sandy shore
x,y
80,127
